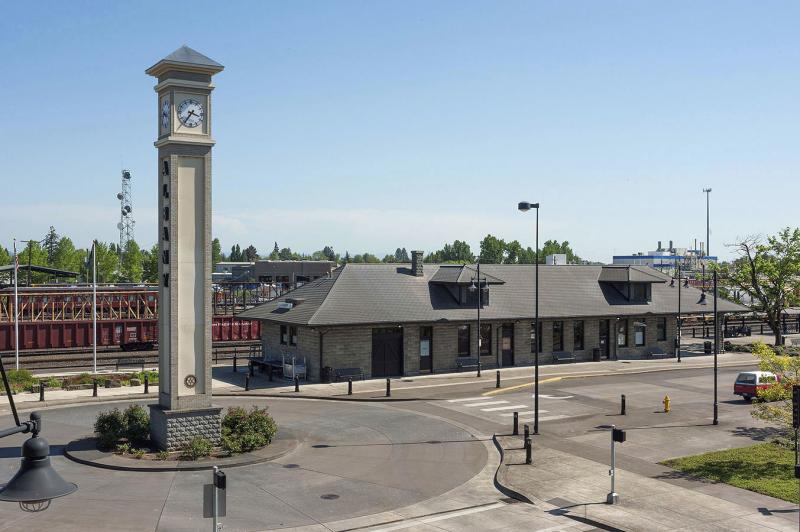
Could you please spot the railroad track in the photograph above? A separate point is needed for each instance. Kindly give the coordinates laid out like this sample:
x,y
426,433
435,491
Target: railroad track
x,y
81,358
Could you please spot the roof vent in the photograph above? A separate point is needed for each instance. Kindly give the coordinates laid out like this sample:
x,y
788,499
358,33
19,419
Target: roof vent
x,y
295,301
416,263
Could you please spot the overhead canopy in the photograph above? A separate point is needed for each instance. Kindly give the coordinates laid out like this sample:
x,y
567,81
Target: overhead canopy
x,y
9,269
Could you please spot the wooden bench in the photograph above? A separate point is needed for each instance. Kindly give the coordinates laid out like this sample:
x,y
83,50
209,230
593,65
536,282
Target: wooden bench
x,y
563,356
130,362
466,362
266,364
655,352
340,374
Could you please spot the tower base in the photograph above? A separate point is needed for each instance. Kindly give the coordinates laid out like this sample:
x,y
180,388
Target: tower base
x,y
171,430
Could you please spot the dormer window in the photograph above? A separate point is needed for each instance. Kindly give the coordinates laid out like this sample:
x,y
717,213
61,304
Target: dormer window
x,y
640,292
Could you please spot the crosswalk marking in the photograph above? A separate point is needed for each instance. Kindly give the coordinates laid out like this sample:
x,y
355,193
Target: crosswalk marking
x,y
545,418
487,403
465,399
545,396
498,408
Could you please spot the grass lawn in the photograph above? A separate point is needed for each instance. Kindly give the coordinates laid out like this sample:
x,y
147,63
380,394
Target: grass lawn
x,y
764,468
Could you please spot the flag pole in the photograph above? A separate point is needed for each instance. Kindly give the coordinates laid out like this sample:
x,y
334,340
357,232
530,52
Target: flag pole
x,y
16,308
94,304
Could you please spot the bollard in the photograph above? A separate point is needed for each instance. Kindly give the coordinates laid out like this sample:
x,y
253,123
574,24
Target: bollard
x,y
349,385
247,383
388,388
526,431
622,408
296,383
146,383
666,404
516,424
94,388
41,391
251,369
235,368
497,384
528,451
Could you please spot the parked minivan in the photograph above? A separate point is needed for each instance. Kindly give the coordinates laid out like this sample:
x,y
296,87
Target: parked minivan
x,y
749,382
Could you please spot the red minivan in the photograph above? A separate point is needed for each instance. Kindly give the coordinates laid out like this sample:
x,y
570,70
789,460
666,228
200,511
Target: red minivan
x,y
749,382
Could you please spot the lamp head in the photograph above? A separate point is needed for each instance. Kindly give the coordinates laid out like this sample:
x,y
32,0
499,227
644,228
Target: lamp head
x,y
525,206
36,483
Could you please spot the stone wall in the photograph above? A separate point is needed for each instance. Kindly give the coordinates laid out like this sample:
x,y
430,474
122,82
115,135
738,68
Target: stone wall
x,y
171,430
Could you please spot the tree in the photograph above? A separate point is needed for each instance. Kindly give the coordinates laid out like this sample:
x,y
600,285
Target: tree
x,y
492,250
370,258
769,273
552,247
132,262
346,258
251,254
50,245
107,262
216,252
236,254
150,264
5,256
33,254
401,255
513,252
775,403
286,254
329,253
66,257
276,252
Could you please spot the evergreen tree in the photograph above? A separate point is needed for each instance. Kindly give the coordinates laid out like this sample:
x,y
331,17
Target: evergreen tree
x,y
216,252
251,254
346,258
50,245
329,254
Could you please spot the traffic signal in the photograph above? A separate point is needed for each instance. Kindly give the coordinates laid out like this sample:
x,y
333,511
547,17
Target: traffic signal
x,y
618,435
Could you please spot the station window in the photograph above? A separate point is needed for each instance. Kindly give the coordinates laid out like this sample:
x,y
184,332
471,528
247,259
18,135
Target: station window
x,y
577,335
425,341
622,333
293,335
284,336
639,333
558,336
463,340
486,339
662,329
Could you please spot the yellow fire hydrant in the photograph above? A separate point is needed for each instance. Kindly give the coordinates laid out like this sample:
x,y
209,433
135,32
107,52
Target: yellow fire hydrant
x,y
666,404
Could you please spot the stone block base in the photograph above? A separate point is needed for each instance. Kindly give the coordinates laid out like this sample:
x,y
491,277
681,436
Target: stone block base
x,y
172,429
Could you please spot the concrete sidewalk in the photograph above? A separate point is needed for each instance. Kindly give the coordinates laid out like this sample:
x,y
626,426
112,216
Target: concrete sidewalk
x,y
575,487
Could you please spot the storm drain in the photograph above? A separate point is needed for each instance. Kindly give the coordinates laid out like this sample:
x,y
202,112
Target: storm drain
x,y
291,466
329,496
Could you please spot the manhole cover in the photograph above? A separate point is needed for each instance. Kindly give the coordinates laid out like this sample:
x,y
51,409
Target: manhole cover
x,y
320,446
329,496
291,466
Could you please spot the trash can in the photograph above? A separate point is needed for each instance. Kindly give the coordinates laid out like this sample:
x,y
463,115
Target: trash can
x,y
327,374
596,354
707,347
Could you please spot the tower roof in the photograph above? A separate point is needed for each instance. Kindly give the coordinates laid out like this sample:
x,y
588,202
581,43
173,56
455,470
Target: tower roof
x,y
185,58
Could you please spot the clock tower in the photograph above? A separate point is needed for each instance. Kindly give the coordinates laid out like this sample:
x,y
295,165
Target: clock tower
x,y
184,144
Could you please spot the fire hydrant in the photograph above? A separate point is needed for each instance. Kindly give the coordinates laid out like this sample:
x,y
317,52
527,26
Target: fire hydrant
x,y
666,404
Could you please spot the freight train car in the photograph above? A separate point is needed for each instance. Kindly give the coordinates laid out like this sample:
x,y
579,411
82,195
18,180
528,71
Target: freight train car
x,y
61,318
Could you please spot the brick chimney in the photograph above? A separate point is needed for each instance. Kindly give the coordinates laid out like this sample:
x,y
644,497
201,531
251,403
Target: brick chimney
x,y
416,263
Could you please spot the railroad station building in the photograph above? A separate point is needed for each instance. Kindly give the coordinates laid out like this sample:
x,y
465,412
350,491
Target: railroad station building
x,y
401,319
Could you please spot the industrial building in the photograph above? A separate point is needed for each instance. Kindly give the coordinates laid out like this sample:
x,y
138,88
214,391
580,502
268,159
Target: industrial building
x,y
667,259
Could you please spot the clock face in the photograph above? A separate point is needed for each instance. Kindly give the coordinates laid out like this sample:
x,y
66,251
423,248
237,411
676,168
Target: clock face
x,y
165,114
190,113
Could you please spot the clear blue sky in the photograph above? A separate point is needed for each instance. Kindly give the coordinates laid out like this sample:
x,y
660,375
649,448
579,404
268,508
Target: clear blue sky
x,y
372,125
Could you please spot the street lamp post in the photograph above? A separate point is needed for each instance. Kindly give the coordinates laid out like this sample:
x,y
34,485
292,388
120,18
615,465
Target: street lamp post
x,y
479,289
525,206
716,350
678,339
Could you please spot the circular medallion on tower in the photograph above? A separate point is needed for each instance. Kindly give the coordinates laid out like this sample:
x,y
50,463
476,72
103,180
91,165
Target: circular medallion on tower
x,y
190,381
190,112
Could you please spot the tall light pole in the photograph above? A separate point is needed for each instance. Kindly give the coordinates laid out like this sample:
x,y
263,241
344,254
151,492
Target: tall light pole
x,y
707,192
716,350
525,206
479,290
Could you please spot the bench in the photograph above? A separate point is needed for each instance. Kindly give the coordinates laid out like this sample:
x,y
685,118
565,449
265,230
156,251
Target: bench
x,y
130,362
340,374
266,364
466,362
655,352
563,356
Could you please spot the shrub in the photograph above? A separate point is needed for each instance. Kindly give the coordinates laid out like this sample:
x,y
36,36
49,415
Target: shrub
x,y
109,427
162,455
137,453
244,431
123,448
18,380
52,382
137,424
197,448
135,382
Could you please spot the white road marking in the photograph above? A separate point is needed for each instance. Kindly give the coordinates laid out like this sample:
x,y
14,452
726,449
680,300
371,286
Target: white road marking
x,y
541,395
497,408
525,413
442,517
487,403
545,418
465,399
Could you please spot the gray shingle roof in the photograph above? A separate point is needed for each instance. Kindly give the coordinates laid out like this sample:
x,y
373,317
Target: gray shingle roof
x,y
461,274
186,56
388,293
624,274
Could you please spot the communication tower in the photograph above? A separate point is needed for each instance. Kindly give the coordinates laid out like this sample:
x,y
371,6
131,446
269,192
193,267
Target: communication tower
x,y
126,222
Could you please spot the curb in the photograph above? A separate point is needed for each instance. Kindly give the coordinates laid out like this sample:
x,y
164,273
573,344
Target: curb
x,y
505,490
